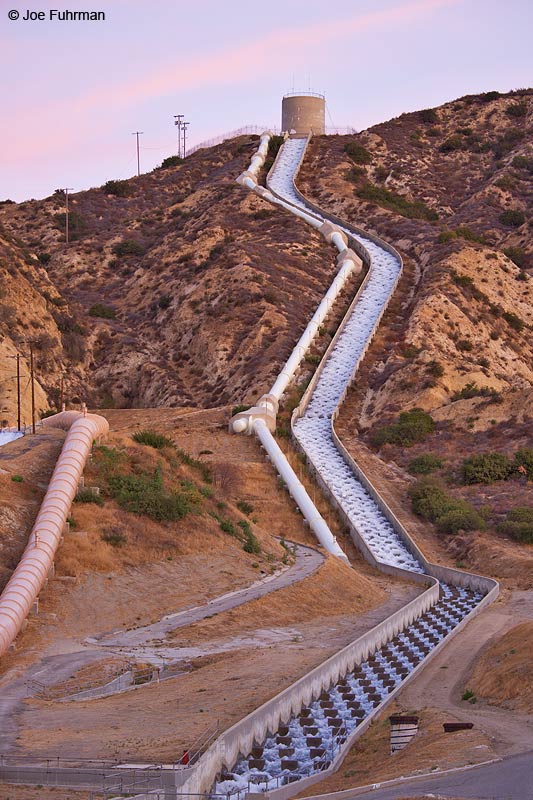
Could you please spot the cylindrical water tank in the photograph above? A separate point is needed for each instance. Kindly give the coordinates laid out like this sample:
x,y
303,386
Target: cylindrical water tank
x,y
302,113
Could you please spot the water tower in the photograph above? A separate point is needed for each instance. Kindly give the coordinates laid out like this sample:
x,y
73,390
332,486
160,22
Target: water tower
x,y
302,112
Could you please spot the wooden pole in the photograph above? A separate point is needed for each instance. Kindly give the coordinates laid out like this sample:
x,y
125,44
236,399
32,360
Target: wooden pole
x,y
32,391
18,391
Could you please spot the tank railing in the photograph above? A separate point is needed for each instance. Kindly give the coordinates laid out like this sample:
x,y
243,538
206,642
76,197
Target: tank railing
x,y
305,94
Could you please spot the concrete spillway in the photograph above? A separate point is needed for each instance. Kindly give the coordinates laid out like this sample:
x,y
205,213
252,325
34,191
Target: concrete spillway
x,y
309,742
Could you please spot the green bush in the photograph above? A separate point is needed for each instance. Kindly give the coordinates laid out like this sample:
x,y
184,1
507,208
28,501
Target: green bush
x,y
473,390
424,464
435,369
152,439
251,544
117,188
512,218
517,109
164,301
446,236
195,463
245,507
17,478
464,345
103,311
516,254
487,97
428,115
274,144
145,494
486,468
467,233
171,161
114,536
44,258
519,524
451,144
513,320
524,458
429,499
523,162
129,247
412,426
413,209
238,409
86,496
358,153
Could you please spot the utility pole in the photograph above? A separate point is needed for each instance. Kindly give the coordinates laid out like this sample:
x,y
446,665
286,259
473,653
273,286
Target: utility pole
x,y
177,121
137,134
18,392
32,390
67,190
184,126
61,394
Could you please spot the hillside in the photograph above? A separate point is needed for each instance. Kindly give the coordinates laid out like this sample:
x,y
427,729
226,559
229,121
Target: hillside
x,y
178,288
181,289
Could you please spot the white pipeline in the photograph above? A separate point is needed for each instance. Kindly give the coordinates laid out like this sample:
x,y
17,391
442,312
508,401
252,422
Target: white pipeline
x,y
32,571
297,491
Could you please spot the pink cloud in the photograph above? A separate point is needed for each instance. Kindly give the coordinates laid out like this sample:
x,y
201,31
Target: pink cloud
x,y
273,53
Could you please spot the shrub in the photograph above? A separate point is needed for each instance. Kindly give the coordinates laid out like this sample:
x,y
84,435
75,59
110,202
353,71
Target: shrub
x,y
486,468
513,320
424,464
44,258
117,188
86,496
358,153
487,97
144,494
505,143
412,426
464,345
251,544
524,458
152,439
114,536
355,174
523,162
435,369
517,109
103,311
428,115
430,500
412,209
164,301
519,524
516,254
171,161
274,144
129,247
238,409
17,478
463,517
512,218
473,390
451,144
245,507
195,463
446,236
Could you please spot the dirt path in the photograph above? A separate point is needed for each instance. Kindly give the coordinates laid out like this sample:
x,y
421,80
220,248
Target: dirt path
x,y
307,561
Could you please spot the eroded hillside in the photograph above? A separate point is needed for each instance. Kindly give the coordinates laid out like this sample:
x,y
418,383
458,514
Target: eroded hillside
x,y
178,288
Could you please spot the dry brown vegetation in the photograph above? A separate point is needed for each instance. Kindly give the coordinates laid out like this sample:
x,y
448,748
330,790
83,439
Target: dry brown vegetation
x,y
503,676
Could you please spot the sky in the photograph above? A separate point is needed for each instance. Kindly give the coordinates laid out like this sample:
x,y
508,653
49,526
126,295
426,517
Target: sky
x,y
73,92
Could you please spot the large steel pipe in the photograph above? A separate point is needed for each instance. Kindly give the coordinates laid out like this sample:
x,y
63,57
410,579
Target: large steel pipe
x,y
34,567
